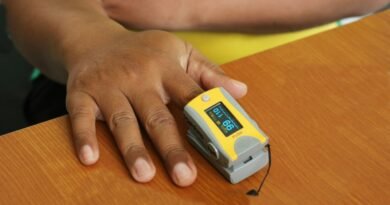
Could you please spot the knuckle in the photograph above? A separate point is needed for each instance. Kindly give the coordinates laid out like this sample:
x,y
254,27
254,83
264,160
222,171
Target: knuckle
x,y
80,83
208,64
79,112
82,79
170,149
122,118
191,94
131,148
159,118
82,135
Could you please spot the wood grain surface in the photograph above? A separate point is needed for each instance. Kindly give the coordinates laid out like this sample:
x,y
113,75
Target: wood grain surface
x,y
324,102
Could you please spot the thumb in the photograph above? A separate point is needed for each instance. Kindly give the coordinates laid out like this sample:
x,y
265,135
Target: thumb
x,y
209,75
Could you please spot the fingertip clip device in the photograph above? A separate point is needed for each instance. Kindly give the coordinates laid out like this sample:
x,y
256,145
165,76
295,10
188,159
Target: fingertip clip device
x,y
225,135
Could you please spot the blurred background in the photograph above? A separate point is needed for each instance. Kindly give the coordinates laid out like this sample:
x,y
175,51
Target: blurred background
x,y
15,82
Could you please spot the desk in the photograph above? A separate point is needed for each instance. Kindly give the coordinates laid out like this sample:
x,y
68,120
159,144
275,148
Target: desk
x,y
324,101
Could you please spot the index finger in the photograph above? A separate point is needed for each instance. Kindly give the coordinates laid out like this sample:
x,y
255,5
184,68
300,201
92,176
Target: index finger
x,y
182,89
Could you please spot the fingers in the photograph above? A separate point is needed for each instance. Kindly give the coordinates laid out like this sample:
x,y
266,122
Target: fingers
x,y
182,89
82,112
210,76
123,124
161,126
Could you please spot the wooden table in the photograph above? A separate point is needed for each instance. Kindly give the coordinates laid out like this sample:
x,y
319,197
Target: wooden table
x,y
324,101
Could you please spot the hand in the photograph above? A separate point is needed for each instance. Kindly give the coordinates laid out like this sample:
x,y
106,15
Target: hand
x,y
127,81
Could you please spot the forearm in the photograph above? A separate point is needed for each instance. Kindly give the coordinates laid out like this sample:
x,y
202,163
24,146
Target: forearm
x,y
278,15
52,33
235,15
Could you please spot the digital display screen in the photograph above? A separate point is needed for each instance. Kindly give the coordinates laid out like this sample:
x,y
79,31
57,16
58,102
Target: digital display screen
x,y
224,120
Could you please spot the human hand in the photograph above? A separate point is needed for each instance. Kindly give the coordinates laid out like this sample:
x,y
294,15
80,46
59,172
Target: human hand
x,y
127,80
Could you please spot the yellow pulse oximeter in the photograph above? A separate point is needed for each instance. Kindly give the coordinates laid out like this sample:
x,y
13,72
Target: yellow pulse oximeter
x,y
225,135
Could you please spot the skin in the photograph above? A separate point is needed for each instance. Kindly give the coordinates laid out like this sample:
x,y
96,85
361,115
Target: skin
x,y
237,16
115,75
127,78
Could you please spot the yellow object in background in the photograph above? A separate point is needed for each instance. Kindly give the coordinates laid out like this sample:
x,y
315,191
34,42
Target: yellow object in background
x,y
225,47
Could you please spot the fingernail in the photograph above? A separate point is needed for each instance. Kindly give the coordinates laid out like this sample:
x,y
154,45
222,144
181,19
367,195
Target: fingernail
x,y
239,84
182,172
142,170
86,155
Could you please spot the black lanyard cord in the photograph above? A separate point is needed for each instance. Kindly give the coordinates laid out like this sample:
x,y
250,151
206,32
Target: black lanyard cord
x,y
253,192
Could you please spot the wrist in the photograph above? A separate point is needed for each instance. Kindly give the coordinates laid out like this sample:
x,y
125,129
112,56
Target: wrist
x,y
77,46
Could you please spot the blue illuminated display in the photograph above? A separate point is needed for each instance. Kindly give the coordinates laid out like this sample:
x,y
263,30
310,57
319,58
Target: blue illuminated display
x,y
224,120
